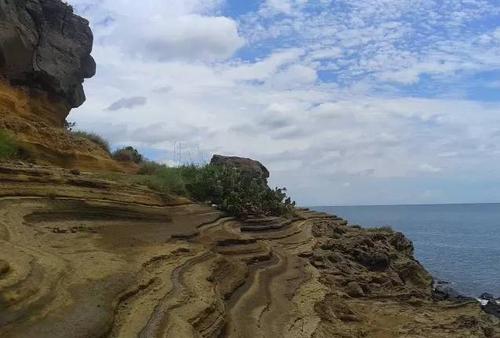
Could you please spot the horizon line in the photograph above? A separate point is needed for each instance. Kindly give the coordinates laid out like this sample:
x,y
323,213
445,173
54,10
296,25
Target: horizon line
x,y
399,205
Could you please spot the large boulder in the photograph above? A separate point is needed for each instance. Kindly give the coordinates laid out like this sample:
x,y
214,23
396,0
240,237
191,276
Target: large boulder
x,y
44,58
43,45
246,165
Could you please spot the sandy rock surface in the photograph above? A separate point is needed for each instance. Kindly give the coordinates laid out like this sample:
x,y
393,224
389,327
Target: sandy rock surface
x,y
82,256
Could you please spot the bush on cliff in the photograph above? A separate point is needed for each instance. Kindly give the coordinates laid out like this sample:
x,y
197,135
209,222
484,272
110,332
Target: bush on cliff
x,y
94,138
128,154
8,147
232,190
238,192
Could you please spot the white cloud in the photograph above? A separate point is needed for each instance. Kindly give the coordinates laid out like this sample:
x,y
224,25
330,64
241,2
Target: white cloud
x,y
188,37
295,76
264,69
163,31
323,106
281,6
428,168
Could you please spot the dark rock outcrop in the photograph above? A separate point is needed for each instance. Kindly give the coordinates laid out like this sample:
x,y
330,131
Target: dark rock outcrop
x,y
246,165
487,296
379,261
444,291
492,308
43,45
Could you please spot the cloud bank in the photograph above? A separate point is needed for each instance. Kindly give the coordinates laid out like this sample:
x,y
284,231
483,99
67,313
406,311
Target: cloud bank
x,y
346,102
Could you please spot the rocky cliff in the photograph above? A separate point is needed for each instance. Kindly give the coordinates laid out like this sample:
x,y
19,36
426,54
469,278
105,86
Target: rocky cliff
x,y
85,257
43,45
44,58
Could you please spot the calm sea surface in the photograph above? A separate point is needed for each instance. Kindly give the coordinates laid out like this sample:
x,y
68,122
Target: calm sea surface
x,y
457,243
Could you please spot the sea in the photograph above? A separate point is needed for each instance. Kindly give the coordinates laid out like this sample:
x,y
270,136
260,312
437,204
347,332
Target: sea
x,y
457,243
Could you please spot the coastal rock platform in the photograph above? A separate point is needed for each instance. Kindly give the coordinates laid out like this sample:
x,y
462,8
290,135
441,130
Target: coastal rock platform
x,y
86,256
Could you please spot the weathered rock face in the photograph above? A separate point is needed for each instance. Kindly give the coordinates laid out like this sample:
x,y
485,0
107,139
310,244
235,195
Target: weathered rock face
x,y
87,257
255,168
44,59
43,45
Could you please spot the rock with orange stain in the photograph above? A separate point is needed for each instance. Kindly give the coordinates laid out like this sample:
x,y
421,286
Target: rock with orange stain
x,y
44,45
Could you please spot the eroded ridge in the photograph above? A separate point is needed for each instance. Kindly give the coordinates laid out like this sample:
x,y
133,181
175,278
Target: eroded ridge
x,y
87,257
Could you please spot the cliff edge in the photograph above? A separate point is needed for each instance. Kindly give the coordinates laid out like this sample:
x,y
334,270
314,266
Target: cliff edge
x,y
43,45
44,58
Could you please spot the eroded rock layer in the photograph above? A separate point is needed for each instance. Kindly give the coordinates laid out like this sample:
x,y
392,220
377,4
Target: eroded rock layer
x,y
44,59
85,257
30,118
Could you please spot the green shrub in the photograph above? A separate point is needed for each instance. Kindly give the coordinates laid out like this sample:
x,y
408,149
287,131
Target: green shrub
x,y
92,137
128,154
236,192
167,181
385,228
8,147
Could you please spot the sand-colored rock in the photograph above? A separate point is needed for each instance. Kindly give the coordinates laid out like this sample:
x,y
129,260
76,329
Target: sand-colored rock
x,y
44,58
34,119
81,256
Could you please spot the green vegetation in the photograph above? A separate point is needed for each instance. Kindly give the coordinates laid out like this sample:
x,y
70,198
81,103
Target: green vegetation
x,y
128,154
238,193
150,168
92,137
385,228
8,147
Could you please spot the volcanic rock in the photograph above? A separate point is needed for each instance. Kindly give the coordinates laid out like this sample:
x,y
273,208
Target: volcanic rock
x,y
492,308
44,45
246,165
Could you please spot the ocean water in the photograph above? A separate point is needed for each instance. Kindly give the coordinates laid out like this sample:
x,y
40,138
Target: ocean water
x,y
458,243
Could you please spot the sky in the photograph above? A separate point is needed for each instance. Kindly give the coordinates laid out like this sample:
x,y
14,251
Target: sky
x,y
347,102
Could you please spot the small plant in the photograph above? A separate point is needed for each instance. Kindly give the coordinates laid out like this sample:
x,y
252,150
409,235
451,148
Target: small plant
x,y
128,154
94,138
8,147
68,125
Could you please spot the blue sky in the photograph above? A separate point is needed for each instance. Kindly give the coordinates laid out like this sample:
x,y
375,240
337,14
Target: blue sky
x,y
346,102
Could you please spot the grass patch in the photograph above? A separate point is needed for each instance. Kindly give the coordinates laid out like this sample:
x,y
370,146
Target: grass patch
x,y
128,154
8,146
94,138
168,181
151,168
385,228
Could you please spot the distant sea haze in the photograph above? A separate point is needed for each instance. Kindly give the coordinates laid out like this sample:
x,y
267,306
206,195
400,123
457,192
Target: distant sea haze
x,y
458,243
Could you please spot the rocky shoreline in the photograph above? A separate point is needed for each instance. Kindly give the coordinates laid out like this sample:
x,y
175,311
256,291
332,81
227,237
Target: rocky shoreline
x,y
443,290
147,268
